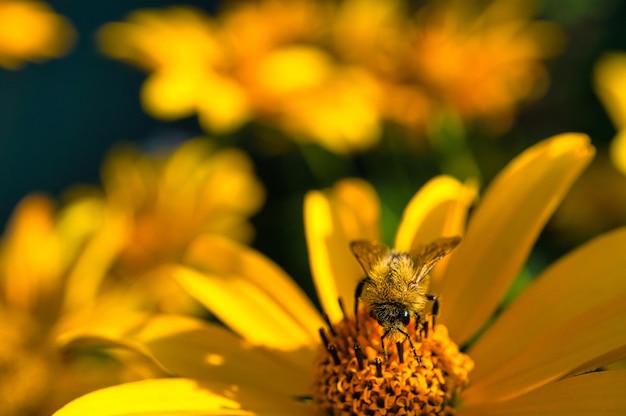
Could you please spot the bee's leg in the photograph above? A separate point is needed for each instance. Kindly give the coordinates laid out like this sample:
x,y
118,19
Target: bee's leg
x,y
382,343
408,338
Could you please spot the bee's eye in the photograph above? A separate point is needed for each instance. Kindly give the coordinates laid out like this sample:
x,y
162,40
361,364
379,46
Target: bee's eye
x,y
406,317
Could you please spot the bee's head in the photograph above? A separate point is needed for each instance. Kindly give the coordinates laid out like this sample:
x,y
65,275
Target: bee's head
x,y
391,315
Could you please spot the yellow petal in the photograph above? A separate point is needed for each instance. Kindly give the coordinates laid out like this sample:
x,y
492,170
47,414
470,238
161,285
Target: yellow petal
x,y
504,227
585,395
223,104
433,212
105,328
582,280
289,69
171,94
33,257
99,251
243,267
610,83
270,403
618,151
331,222
439,209
249,293
153,397
213,353
341,115
358,207
599,331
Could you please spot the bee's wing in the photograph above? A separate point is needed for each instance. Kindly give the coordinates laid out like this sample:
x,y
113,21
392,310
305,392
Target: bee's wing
x,y
429,255
368,252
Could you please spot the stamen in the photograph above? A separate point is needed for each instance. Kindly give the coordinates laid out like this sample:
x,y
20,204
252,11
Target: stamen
x,y
360,357
330,325
378,362
332,349
400,347
323,337
343,309
425,329
358,380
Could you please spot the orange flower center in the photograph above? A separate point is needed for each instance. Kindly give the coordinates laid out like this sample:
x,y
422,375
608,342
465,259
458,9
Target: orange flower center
x,y
355,378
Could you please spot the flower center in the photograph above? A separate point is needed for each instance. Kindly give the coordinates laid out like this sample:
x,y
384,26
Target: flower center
x,y
355,378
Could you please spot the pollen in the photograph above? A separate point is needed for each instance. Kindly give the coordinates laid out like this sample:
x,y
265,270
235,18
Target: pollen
x,y
353,377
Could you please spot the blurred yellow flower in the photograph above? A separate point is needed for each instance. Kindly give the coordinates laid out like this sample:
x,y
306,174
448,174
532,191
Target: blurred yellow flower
x,y
537,356
332,72
169,198
46,258
188,65
251,62
482,62
610,83
31,31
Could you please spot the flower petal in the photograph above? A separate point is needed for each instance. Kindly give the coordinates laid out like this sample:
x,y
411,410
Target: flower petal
x,y
618,150
212,353
504,227
231,260
332,219
584,279
610,85
600,331
439,209
585,395
170,94
152,397
245,308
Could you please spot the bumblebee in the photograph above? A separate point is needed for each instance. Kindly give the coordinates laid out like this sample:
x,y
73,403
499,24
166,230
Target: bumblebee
x,y
396,284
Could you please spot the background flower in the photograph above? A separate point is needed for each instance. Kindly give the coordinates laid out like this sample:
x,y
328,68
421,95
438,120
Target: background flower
x,y
166,198
31,31
333,72
47,260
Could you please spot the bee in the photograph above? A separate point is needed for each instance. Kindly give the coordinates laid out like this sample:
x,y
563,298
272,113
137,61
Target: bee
x,y
396,284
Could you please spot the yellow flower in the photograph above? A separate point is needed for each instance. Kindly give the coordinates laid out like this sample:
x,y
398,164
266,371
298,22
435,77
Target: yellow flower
x,y
167,199
610,83
331,72
248,63
31,31
188,65
537,356
482,63
46,259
